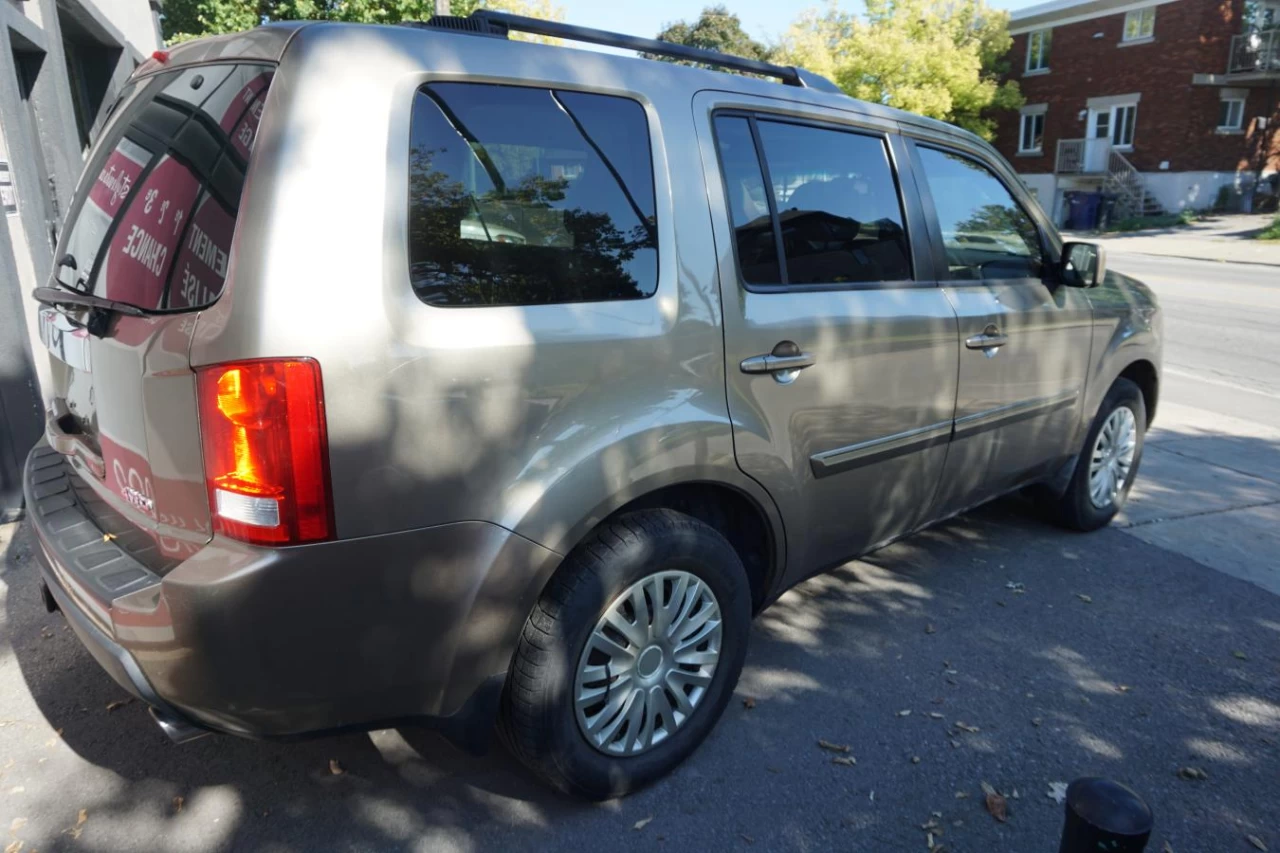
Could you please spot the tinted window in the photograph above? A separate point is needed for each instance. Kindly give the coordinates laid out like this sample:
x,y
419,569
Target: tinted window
x,y
837,203
157,217
521,196
748,204
986,233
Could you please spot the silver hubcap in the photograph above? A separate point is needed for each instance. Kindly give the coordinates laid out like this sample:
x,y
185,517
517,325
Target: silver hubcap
x,y
648,663
1112,458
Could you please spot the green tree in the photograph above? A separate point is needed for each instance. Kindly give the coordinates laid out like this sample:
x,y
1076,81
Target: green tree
x,y
187,19
938,58
716,29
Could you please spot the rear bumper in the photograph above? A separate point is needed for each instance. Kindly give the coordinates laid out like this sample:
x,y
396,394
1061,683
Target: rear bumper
x,y
418,625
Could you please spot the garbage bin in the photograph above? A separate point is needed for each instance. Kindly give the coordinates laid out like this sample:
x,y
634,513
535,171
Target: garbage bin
x,y
1082,210
1106,211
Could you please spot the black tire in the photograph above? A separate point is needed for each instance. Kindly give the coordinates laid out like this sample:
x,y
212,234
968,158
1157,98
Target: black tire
x,y
1075,509
538,722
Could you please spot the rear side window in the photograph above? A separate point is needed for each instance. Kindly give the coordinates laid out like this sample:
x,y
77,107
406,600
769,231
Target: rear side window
x,y
161,192
827,197
524,196
986,232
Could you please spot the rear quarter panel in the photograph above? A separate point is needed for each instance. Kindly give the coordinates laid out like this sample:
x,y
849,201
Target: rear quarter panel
x,y
539,418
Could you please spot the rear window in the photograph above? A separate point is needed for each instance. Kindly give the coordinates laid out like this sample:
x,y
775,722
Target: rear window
x,y
159,198
525,196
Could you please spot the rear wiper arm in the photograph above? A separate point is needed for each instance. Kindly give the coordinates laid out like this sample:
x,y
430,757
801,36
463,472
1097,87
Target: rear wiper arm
x,y
100,309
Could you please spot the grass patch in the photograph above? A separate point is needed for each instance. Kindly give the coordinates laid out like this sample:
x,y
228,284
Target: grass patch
x,y
1168,220
1271,232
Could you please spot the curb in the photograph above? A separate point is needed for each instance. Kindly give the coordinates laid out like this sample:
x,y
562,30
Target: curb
x,y
1275,263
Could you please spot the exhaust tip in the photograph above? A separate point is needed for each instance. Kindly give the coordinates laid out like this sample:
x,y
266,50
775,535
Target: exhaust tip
x,y
50,603
175,728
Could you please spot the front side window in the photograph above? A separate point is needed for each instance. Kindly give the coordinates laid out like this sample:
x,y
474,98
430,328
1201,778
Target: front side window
x,y
1231,114
1140,24
986,232
1038,50
525,196
832,203
1031,140
163,190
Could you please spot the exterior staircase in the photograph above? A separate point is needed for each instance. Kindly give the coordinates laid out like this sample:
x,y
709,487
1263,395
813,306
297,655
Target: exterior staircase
x,y
1125,182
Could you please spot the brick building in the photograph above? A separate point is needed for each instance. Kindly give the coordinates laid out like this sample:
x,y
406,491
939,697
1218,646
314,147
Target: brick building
x,y
1161,102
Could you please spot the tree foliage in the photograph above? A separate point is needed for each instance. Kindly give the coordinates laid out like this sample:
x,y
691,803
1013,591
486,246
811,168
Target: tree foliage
x,y
938,58
187,19
716,29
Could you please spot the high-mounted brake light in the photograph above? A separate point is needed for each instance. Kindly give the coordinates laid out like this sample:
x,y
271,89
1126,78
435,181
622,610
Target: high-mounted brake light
x,y
265,450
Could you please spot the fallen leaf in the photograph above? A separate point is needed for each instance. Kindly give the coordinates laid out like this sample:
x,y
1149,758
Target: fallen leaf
x,y
1192,774
962,795
1016,587
928,839
749,702
872,796
1036,721
1167,848
929,629
1123,688
965,727
845,760
642,823
935,715
997,807
941,848
1085,598
1001,604
833,747
13,847
75,831
119,703
915,759
18,823
177,804
335,768
1238,655
1256,842
746,838
1057,792
905,713
107,537
987,788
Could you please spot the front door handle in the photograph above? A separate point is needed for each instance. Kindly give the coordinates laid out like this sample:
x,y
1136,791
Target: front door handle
x,y
776,363
990,338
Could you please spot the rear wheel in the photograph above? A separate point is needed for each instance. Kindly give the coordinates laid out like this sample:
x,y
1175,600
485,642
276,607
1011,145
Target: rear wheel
x,y
630,656
1108,462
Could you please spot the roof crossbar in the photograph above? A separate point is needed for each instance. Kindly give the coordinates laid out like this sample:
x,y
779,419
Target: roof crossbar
x,y
490,23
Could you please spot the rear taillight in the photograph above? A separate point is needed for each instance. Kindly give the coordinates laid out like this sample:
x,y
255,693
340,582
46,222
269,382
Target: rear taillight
x,y
265,450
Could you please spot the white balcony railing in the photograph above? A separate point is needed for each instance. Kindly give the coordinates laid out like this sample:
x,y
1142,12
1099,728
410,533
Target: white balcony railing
x,y
1255,52
1082,156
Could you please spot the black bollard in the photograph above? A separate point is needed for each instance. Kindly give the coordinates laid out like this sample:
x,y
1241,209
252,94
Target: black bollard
x,y
1104,815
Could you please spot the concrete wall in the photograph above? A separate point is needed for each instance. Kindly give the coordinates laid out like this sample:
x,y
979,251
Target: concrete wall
x,y
44,144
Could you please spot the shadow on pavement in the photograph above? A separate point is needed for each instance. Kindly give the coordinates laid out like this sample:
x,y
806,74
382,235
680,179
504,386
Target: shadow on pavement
x,y
1025,655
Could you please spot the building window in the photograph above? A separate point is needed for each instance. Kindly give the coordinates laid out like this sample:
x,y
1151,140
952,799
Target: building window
x,y
1031,140
1231,114
1038,50
1123,120
1140,24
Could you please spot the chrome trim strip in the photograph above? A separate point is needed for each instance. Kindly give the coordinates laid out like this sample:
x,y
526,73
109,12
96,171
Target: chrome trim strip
x,y
878,449
1004,415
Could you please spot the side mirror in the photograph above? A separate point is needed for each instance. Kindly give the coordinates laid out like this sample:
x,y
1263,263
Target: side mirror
x,y
1083,264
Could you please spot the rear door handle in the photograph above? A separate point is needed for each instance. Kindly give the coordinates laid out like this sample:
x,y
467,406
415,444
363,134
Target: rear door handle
x,y
777,363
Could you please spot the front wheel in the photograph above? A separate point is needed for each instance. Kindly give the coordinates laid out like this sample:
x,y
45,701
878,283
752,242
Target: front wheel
x,y
1108,462
630,655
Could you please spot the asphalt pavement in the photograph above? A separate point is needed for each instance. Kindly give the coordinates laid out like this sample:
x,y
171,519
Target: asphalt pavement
x,y
993,649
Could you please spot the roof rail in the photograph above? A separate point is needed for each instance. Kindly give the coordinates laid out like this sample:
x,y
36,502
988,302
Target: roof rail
x,y
497,24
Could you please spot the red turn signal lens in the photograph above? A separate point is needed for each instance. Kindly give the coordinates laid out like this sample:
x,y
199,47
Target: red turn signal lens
x,y
266,451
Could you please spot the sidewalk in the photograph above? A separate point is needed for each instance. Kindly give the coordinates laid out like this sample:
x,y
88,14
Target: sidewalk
x,y
1219,238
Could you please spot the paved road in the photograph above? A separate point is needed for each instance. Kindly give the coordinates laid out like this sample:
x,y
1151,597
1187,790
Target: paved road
x,y
1131,652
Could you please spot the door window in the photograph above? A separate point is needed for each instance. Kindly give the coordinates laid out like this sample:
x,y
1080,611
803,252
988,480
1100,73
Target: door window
x,y
526,196
831,203
986,232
